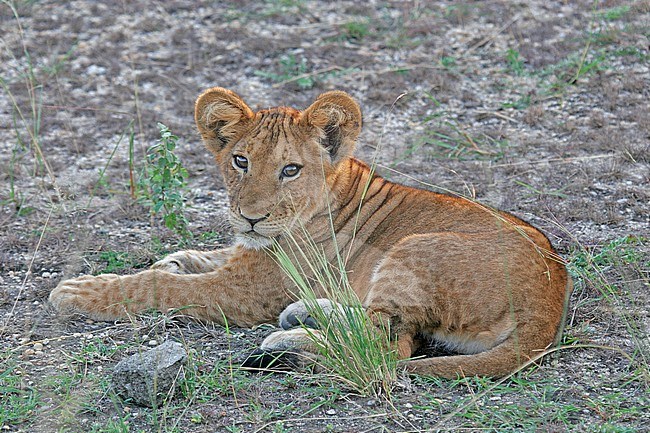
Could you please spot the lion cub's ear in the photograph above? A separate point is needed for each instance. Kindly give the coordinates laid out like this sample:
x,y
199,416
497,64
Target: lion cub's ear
x,y
220,115
337,118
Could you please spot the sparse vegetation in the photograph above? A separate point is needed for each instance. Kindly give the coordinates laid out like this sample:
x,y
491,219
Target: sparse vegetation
x,y
603,269
26,120
446,137
294,70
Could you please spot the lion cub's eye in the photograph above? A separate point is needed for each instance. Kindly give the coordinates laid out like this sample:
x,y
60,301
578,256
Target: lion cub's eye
x,y
239,161
290,170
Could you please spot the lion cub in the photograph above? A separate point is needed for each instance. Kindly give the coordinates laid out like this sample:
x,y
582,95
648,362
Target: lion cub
x,y
483,283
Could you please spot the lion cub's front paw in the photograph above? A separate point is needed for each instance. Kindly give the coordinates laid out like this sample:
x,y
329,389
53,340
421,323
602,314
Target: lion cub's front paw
x,y
169,264
298,314
182,262
88,294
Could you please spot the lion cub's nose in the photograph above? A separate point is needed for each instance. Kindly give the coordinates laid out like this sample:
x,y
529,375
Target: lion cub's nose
x,y
253,221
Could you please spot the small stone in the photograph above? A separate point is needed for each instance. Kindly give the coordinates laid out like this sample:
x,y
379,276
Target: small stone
x,y
38,346
95,70
29,352
147,378
331,412
46,275
152,343
408,406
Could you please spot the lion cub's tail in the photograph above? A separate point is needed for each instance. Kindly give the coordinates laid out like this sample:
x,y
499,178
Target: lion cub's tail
x,y
498,361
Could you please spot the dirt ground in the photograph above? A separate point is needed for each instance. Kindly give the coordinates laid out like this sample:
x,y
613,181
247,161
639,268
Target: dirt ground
x,y
538,108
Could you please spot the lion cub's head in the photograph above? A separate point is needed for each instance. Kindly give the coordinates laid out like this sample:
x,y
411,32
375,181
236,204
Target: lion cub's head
x,y
278,164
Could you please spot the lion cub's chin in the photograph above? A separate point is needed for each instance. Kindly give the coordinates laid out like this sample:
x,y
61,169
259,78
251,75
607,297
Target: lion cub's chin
x,y
253,241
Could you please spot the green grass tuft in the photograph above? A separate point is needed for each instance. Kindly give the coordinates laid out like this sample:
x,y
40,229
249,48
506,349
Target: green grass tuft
x,y
18,402
352,349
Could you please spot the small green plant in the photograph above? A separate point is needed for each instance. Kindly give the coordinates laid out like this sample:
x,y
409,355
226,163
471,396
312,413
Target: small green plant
x,y
615,13
520,104
515,63
290,68
542,192
283,7
632,51
585,63
458,13
447,62
164,180
355,31
115,261
556,78
119,425
206,380
617,251
15,197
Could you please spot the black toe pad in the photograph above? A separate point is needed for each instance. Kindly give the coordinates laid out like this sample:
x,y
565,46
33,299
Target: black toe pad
x,y
271,360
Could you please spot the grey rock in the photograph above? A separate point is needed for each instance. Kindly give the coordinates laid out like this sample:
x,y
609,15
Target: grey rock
x,y
147,378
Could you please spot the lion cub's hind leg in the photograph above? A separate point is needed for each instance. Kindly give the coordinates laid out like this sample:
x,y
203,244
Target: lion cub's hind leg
x,y
423,288
193,262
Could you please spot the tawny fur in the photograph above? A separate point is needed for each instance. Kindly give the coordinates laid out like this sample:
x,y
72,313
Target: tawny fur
x,y
483,282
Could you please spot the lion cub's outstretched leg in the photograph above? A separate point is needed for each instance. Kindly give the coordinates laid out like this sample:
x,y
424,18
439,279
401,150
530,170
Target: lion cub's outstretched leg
x,y
243,292
193,262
